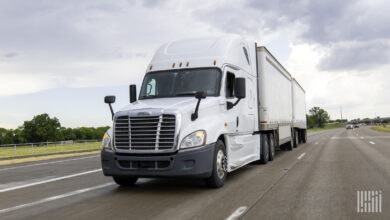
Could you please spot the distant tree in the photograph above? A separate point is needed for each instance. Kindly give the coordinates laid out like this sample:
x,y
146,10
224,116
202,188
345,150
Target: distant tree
x,y
41,128
66,134
310,121
319,116
99,133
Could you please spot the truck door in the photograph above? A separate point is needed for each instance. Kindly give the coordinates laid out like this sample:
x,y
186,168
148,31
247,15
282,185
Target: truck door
x,y
240,141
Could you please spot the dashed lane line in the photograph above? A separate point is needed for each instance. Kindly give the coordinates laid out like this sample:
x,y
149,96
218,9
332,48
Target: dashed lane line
x,y
49,180
301,156
237,213
49,199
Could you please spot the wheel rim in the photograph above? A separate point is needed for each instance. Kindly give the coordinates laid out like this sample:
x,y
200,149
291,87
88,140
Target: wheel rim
x,y
221,164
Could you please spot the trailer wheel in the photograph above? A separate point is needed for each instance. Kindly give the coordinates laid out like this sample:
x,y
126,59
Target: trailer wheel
x,y
296,139
290,145
218,176
304,134
271,143
264,153
125,181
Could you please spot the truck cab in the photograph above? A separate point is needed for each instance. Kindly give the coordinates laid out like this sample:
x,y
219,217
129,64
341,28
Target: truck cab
x,y
189,119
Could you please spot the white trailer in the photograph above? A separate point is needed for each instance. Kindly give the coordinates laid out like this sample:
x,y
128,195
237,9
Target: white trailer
x,y
298,112
275,104
206,108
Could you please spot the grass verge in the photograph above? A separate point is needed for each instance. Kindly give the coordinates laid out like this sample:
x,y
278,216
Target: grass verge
x,y
327,127
35,150
39,158
381,128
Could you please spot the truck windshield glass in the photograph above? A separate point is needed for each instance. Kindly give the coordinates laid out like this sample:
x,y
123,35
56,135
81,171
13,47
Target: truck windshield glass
x,y
181,83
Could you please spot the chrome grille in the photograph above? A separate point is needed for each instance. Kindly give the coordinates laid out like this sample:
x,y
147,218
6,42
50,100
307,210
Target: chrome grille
x,y
145,132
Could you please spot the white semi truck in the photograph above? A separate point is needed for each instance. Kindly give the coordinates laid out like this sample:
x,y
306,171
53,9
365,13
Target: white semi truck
x,y
206,108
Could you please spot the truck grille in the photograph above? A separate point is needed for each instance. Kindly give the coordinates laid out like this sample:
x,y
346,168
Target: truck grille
x,y
145,132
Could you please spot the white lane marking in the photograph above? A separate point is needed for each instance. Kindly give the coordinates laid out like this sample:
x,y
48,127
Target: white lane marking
x,y
361,137
237,213
40,164
301,156
316,143
49,199
49,180
371,142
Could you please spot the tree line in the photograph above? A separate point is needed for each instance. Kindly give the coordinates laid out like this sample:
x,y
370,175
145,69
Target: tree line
x,y
42,128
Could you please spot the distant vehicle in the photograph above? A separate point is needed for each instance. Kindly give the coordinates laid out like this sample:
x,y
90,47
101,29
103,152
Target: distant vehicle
x,y
206,107
356,126
349,126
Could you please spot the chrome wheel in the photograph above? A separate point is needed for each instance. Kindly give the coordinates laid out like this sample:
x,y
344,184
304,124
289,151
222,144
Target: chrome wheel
x,y
221,164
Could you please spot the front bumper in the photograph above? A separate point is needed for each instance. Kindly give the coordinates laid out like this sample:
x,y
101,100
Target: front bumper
x,y
189,163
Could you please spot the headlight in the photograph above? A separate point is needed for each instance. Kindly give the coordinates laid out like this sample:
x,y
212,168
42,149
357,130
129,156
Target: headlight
x,y
196,139
106,143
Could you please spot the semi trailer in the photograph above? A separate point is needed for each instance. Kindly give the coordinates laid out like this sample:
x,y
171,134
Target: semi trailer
x,y
206,108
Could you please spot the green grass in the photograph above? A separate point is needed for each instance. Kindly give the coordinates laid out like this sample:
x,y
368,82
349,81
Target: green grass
x,y
327,127
28,150
381,128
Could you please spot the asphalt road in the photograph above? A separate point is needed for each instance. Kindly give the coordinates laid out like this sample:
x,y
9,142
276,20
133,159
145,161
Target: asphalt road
x,y
317,180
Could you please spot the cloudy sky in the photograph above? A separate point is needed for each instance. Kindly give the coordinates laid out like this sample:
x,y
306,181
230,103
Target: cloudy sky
x,y
62,57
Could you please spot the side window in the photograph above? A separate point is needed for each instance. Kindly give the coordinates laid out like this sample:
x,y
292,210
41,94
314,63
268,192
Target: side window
x,y
151,88
246,55
229,90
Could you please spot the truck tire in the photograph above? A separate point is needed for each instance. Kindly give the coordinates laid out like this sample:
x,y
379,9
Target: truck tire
x,y
296,138
304,135
271,143
125,181
218,175
290,145
264,153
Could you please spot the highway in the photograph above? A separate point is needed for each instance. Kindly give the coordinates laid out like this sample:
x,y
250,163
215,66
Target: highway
x,y
317,180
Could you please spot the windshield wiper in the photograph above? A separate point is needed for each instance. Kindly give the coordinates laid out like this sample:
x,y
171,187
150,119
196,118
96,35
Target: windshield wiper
x,y
186,94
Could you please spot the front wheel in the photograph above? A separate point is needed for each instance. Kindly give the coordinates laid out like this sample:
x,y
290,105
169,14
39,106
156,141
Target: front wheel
x,y
125,181
218,176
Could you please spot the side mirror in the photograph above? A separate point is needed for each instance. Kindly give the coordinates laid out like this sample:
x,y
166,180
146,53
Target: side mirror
x,y
239,92
133,93
109,99
200,94
239,88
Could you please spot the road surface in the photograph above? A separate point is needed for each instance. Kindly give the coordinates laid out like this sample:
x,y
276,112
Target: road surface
x,y
317,180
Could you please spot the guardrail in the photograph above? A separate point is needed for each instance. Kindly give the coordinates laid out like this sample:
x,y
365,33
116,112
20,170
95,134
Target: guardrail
x,y
8,151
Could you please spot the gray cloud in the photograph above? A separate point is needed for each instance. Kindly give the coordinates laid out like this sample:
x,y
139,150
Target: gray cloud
x,y
356,56
10,55
330,24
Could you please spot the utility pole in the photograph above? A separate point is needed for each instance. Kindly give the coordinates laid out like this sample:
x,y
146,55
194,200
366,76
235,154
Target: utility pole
x,y
341,112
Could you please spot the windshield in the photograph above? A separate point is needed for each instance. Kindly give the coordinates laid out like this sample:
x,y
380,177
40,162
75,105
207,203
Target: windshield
x,y
181,83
